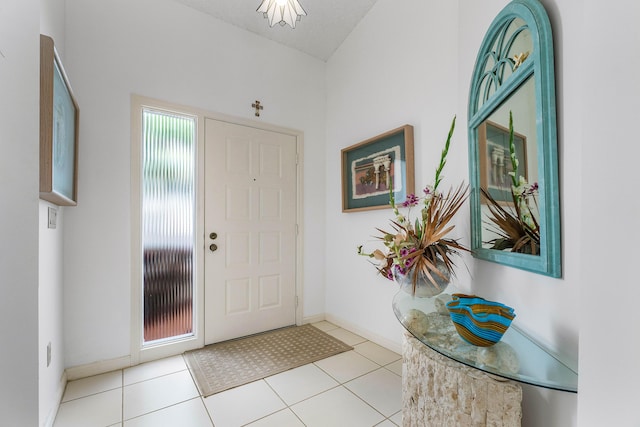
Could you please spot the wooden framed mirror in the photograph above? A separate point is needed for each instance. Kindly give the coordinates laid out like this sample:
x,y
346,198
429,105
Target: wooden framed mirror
x,y
513,155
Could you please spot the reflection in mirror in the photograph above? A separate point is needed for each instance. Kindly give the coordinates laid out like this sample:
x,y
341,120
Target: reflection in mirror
x,y
497,173
514,201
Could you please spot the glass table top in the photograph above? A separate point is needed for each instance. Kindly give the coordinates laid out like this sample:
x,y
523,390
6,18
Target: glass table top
x,y
515,356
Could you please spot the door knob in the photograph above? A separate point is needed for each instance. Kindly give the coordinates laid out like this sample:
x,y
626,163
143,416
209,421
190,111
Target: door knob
x,y
213,236
213,247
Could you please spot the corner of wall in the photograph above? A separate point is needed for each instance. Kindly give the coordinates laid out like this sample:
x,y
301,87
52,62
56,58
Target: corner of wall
x,y
51,376
50,314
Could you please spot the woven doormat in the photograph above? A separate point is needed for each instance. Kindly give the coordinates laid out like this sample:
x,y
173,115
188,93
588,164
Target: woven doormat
x,y
229,364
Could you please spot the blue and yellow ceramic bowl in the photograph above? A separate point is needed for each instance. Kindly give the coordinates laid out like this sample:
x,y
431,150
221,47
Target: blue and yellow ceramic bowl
x,y
479,321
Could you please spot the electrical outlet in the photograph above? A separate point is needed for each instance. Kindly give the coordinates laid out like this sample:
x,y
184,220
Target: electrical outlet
x,y
49,354
53,217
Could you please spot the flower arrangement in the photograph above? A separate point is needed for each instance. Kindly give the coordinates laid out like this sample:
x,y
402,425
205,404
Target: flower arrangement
x,y
517,227
420,247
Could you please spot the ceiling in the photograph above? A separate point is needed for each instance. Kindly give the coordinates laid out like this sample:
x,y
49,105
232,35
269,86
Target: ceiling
x,y
327,24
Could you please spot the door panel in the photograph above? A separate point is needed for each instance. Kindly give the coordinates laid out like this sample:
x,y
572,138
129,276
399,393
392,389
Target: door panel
x,y
250,202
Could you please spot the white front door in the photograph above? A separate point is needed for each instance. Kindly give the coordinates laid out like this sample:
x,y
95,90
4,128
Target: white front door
x,y
250,225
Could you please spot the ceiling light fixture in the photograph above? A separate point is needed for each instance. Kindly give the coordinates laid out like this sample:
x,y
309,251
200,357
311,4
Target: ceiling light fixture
x,y
281,11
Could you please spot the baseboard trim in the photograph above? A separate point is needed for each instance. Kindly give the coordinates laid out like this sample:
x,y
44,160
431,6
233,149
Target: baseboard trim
x,y
103,366
382,341
313,319
96,368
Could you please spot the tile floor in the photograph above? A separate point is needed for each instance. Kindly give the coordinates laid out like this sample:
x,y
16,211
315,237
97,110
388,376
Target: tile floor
x,y
356,388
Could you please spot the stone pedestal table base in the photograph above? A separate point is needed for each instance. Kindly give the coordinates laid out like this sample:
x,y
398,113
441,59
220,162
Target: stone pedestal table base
x,y
439,392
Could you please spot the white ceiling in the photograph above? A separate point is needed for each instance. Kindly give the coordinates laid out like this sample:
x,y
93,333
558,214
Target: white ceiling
x,y
327,24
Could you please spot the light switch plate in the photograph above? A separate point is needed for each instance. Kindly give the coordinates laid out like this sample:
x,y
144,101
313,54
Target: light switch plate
x,y
53,217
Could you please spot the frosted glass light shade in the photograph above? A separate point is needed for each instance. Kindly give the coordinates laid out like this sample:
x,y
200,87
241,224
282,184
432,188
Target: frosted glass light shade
x,y
281,11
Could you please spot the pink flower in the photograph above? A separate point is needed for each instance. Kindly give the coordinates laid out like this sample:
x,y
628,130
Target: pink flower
x,y
412,200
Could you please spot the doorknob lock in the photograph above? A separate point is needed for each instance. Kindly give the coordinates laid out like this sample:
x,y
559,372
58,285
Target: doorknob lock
x,y
213,236
213,247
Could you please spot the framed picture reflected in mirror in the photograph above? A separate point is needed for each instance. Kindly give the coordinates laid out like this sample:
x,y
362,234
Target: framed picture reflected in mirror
x,y
495,160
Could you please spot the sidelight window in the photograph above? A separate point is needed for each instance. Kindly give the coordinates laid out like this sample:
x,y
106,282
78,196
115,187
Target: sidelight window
x,y
168,224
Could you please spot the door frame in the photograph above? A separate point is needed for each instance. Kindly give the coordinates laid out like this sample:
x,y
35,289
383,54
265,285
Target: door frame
x,y
140,354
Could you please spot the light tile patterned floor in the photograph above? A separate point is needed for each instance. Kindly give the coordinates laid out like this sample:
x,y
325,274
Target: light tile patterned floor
x,y
357,388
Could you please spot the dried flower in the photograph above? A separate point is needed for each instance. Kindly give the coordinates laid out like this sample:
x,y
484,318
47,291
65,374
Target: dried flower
x,y
421,245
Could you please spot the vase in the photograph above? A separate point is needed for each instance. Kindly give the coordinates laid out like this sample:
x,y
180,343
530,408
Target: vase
x,y
424,287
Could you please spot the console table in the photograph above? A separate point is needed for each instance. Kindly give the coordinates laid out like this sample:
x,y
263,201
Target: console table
x,y
447,381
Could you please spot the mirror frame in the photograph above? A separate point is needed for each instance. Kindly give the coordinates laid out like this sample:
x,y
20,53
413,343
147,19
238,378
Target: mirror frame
x,y
540,65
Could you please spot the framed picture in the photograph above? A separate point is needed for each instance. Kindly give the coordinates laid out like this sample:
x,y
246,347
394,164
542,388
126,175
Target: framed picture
x,y
370,167
495,160
59,116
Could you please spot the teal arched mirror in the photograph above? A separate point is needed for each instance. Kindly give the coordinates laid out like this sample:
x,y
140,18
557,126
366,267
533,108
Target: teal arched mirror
x,y
515,212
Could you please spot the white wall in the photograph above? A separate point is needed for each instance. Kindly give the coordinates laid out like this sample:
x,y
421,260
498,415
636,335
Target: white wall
x,y
399,66
50,295
543,305
51,255
408,61
52,23
19,77
609,292
416,67
50,288
164,50
546,308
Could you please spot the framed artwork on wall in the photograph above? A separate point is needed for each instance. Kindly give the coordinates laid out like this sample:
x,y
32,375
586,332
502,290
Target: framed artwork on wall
x,y
59,115
370,167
